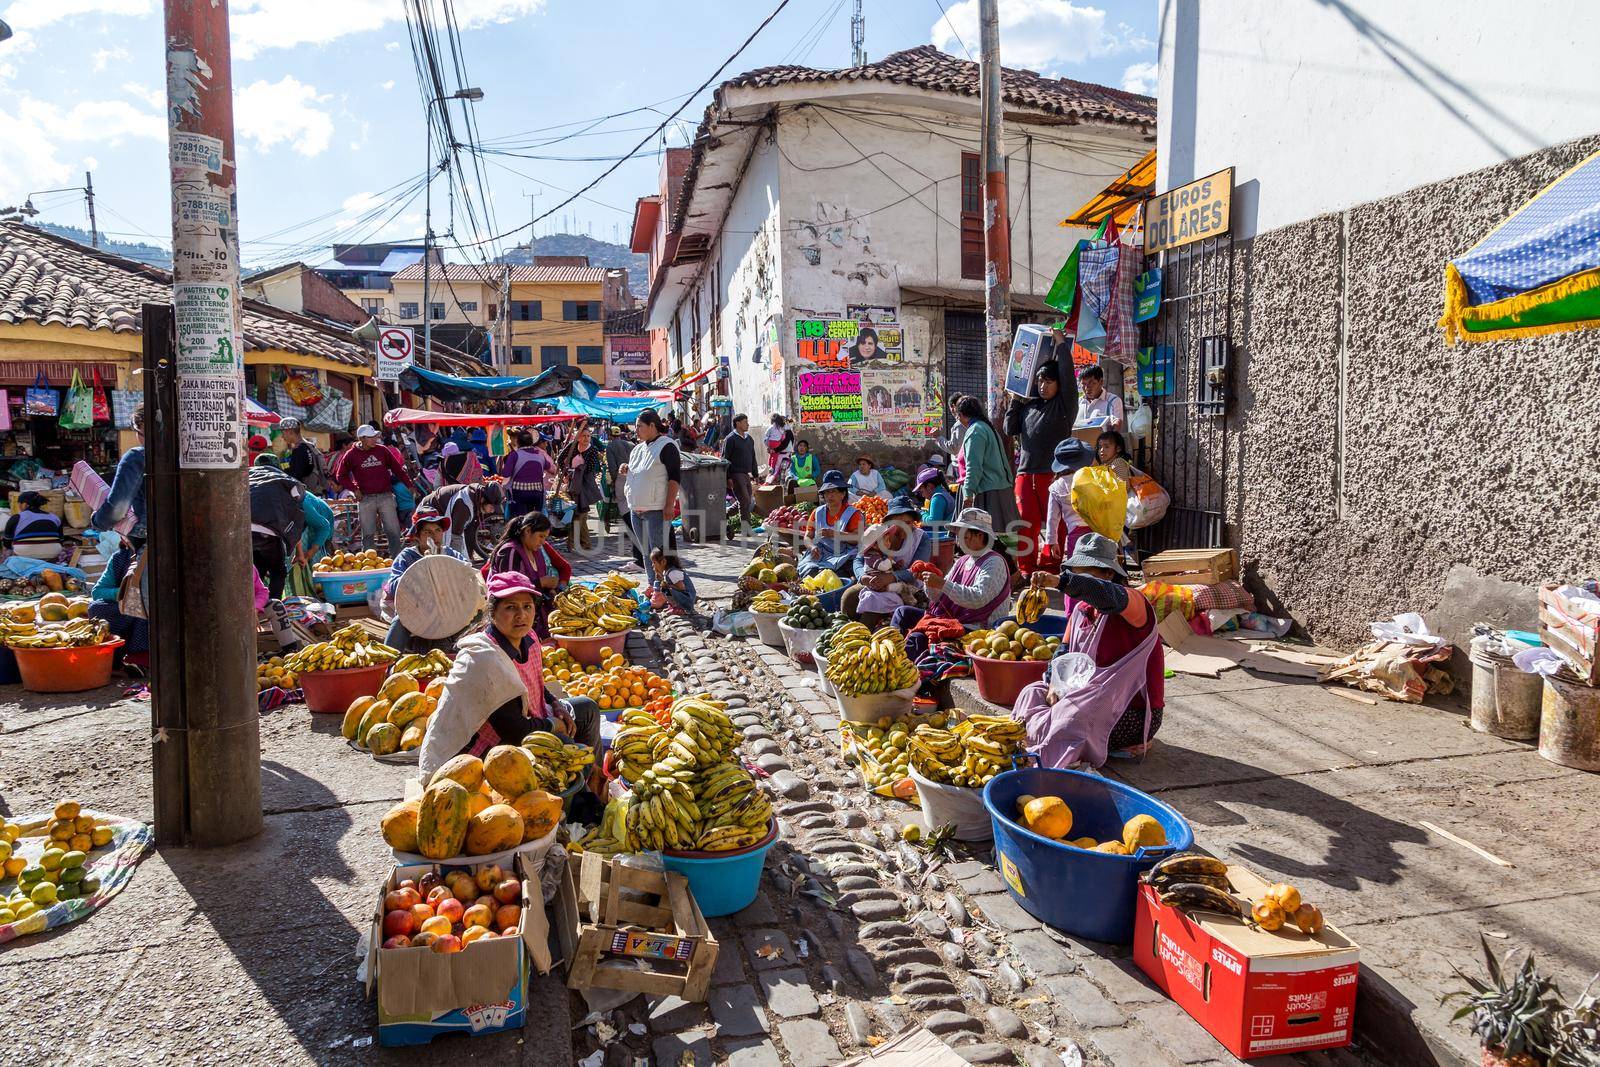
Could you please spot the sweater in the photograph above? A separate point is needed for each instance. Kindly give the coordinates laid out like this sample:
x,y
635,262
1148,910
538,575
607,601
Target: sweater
x,y
987,469
740,451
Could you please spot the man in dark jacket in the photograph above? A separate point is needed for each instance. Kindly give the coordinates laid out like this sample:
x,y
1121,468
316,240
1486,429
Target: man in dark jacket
x,y
277,519
1038,423
739,449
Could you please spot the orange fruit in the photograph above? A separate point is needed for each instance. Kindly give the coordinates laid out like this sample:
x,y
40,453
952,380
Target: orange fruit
x,y
1048,816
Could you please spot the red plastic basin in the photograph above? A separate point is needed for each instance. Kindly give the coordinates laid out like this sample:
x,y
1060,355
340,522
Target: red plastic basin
x,y
332,692
66,670
1001,681
586,650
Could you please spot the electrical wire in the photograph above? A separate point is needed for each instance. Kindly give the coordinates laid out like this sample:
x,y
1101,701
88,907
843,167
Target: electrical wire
x,y
946,16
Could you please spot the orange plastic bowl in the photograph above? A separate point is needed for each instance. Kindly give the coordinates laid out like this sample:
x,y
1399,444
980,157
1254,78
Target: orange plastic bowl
x,y
66,670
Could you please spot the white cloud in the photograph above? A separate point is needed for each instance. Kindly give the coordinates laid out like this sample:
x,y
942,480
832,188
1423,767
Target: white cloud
x,y
262,24
391,46
1140,78
34,133
362,202
156,98
283,112
104,57
1042,35
386,86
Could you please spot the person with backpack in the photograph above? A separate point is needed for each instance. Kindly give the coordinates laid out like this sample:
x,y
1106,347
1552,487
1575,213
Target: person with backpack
x,y
277,519
303,460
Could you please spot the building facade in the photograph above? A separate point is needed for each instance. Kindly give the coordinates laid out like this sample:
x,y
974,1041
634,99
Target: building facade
x,y
365,273
1364,467
827,242
462,305
649,235
555,317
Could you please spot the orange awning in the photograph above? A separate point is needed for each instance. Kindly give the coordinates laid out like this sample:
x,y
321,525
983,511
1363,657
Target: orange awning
x,y
1120,199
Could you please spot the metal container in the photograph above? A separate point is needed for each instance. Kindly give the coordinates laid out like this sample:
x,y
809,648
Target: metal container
x,y
704,497
1569,730
1505,700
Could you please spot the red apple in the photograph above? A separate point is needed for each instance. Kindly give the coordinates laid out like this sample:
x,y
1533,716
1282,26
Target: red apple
x,y
506,917
485,901
478,915
409,894
446,943
407,883
420,913
489,876
422,940
461,885
429,880
398,941
508,891
399,921
450,908
439,893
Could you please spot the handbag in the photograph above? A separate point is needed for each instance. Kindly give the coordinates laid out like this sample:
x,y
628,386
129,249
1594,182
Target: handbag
x,y
330,416
79,411
102,406
298,582
285,405
123,403
41,399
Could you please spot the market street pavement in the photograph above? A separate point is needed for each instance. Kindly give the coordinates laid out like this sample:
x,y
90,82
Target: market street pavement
x,y
249,952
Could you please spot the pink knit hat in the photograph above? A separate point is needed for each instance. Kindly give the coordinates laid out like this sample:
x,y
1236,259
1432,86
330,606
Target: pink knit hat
x,y
509,583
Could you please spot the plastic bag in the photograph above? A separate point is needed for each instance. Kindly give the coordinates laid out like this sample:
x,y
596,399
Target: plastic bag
x,y
1147,501
1408,628
734,623
1069,672
1101,499
102,406
41,399
302,389
1141,421
330,416
78,412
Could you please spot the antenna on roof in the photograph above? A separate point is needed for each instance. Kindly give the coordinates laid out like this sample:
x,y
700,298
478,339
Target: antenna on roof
x,y
858,36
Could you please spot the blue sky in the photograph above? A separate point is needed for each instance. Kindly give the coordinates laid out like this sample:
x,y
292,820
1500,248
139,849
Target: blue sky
x,y
329,116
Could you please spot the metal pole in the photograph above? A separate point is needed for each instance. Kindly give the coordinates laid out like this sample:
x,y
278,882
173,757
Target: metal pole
x,y
996,222
213,635
88,193
427,239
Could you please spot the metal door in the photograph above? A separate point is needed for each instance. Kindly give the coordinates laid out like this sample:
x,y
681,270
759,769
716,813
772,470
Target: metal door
x,y
966,369
1188,451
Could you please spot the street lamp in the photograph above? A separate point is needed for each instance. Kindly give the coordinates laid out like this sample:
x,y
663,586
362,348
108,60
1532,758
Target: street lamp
x,y
473,94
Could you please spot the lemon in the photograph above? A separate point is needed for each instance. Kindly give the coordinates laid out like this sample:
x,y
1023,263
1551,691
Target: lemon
x,y
911,832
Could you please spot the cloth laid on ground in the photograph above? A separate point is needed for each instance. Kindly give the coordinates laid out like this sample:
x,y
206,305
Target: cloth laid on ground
x,y
1398,670
943,660
1167,598
113,865
1223,595
277,696
23,567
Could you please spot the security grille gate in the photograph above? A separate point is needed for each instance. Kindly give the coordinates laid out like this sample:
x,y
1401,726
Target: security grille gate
x,y
966,369
1188,451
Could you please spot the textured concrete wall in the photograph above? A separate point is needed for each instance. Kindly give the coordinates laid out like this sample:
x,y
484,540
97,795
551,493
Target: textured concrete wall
x,y
1478,460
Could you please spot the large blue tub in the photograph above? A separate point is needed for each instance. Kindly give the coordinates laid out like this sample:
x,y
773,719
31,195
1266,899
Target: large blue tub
x,y
1090,894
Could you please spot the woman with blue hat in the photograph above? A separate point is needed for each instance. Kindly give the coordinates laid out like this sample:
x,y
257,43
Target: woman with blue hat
x,y
884,582
834,530
1062,525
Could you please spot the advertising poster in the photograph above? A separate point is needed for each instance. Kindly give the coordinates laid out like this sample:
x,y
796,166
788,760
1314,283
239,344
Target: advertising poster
x,y
850,343
900,405
831,398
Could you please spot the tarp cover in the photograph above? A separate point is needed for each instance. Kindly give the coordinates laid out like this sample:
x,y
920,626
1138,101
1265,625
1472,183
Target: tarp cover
x,y
551,383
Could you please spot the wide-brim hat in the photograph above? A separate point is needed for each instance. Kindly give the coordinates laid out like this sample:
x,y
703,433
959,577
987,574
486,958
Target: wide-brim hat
x,y
867,460
834,480
1095,550
1071,456
427,515
975,519
903,505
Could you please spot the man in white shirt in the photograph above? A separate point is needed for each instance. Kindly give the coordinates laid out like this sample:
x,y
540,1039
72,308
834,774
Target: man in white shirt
x,y
1097,407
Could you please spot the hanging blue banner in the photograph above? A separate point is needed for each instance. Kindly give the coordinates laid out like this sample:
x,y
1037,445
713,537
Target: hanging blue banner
x,y
1155,371
1147,295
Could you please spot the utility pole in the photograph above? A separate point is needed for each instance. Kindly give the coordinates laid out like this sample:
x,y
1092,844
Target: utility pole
x,y
202,620
88,194
858,37
996,220
427,240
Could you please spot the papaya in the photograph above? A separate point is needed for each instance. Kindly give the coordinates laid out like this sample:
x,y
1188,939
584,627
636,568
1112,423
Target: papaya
x,y
398,685
435,689
400,826
476,802
467,770
404,709
494,829
1142,831
353,716
52,581
411,738
377,712
442,819
383,739
540,812
509,769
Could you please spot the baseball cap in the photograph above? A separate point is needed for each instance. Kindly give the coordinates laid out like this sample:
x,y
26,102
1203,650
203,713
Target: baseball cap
x,y
366,431
290,423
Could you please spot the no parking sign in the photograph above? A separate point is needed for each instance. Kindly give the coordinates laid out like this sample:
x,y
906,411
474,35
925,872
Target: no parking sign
x,y
396,347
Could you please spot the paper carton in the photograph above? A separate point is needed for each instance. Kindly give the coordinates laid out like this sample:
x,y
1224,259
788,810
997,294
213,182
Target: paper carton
x,y
1258,993
480,990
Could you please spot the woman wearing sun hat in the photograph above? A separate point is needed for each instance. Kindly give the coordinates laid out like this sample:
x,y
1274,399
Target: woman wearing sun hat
x,y
428,535
884,581
835,528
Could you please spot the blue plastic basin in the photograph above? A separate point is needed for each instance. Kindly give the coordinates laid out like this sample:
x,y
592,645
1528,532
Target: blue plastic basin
x,y
1090,894
830,601
723,883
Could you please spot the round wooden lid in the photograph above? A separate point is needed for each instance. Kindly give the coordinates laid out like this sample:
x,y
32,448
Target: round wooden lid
x,y
438,596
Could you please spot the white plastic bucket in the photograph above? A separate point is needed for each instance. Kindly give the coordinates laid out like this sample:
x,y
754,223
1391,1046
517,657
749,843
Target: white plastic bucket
x,y
822,673
870,707
767,628
957,806
801,644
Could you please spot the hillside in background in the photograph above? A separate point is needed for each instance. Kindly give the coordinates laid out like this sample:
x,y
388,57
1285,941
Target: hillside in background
x,y
151,254
600,253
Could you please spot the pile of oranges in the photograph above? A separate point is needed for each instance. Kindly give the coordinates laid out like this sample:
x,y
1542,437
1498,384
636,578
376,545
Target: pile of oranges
x,y
617,685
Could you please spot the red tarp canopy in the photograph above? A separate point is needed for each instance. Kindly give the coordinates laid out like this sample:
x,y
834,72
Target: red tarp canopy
x,y
412,416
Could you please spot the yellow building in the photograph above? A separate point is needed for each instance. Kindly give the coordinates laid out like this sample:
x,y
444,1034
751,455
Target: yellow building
x,y
555,317
463,305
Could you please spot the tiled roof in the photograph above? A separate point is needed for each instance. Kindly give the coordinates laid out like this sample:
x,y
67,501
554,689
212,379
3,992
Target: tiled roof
x,y
626,322
53,281
495,275
926,67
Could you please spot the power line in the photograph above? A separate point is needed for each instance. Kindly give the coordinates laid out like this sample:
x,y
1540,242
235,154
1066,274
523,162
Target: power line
x,y
946,16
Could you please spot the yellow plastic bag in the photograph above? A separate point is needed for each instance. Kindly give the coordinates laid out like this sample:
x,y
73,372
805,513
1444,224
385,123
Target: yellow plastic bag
x,y
1101,499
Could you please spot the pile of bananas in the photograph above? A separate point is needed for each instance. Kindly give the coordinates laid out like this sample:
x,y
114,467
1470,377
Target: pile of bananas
x,y
344,562
860,661
556,763
74,633
686,792
349,647
1031,604
974,751
584,612
768,603
424,668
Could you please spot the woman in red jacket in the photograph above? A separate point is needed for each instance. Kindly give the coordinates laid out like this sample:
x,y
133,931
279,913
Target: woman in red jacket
x,y
525,549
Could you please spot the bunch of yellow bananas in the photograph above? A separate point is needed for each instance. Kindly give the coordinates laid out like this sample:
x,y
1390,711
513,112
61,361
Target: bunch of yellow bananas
x,y
974,751
424,668
584,612
1031,605
73,634
556,763
350,646
768,603
860,661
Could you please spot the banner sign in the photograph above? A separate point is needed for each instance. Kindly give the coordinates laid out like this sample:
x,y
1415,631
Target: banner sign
x,y
1155,370
1189,213
832,398
1147,295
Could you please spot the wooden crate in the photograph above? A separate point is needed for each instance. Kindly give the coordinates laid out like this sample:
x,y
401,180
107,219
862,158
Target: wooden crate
x,y
665,930
1572,631
1192,566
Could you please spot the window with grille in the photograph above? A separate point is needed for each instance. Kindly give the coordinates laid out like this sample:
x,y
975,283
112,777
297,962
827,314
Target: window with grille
x,y
591,354
409,309
971,216
527,310
552,356
521,354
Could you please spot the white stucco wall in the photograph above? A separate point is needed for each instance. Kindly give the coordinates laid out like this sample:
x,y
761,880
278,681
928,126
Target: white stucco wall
x,y
1325,104
748,263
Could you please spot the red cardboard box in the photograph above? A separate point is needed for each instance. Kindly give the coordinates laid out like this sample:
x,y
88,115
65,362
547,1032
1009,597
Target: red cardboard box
x,y
1258,993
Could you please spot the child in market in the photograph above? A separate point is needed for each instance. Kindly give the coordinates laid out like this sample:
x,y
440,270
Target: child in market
x,y
673,581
